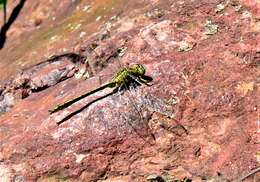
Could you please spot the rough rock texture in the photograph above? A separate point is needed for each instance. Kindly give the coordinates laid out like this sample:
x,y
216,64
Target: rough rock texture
x,y
199,119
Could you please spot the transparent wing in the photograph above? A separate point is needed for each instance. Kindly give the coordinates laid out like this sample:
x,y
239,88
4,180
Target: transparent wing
x,y
140,126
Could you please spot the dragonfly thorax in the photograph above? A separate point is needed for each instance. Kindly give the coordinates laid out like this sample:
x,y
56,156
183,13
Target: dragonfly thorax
x,y
119,78
137,69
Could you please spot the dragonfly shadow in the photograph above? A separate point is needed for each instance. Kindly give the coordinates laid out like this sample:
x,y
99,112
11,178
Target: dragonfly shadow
x,y
86,106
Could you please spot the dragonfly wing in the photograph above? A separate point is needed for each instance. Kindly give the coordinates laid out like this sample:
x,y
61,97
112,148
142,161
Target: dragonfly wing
x,y
142,122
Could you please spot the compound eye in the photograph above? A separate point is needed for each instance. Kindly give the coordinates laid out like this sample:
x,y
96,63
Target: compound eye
x,y
141,69
138,69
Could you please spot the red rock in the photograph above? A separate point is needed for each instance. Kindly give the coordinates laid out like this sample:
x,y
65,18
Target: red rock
x,y
198,120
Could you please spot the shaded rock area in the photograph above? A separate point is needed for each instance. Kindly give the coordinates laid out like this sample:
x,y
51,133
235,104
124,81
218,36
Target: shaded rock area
x,y
38,78
199,121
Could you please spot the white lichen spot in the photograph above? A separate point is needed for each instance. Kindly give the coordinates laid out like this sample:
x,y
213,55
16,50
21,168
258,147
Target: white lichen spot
x,y
82,34
184,46
79,157
173,100
238,8
246,14
54,38
210,28
80,73
108,25
220,7
86,8
114,18
98,18
77,26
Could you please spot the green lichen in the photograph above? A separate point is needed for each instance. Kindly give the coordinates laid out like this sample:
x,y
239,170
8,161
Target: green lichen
x,y
210,28
220,7
184,47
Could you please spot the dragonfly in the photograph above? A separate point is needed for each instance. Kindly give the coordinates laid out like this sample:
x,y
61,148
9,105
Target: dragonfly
x,y
126,79
123,80
125,76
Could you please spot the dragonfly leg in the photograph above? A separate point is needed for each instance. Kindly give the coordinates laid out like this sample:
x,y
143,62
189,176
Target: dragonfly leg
x,y
141,80
120,90
136,79
145,81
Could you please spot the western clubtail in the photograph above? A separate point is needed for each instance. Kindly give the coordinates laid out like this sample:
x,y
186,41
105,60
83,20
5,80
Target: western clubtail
x,y
126,75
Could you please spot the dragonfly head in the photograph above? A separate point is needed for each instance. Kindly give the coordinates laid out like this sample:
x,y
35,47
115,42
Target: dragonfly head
x,y
137,69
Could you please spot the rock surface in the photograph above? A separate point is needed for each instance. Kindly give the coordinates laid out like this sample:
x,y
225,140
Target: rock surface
x,y
199,120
